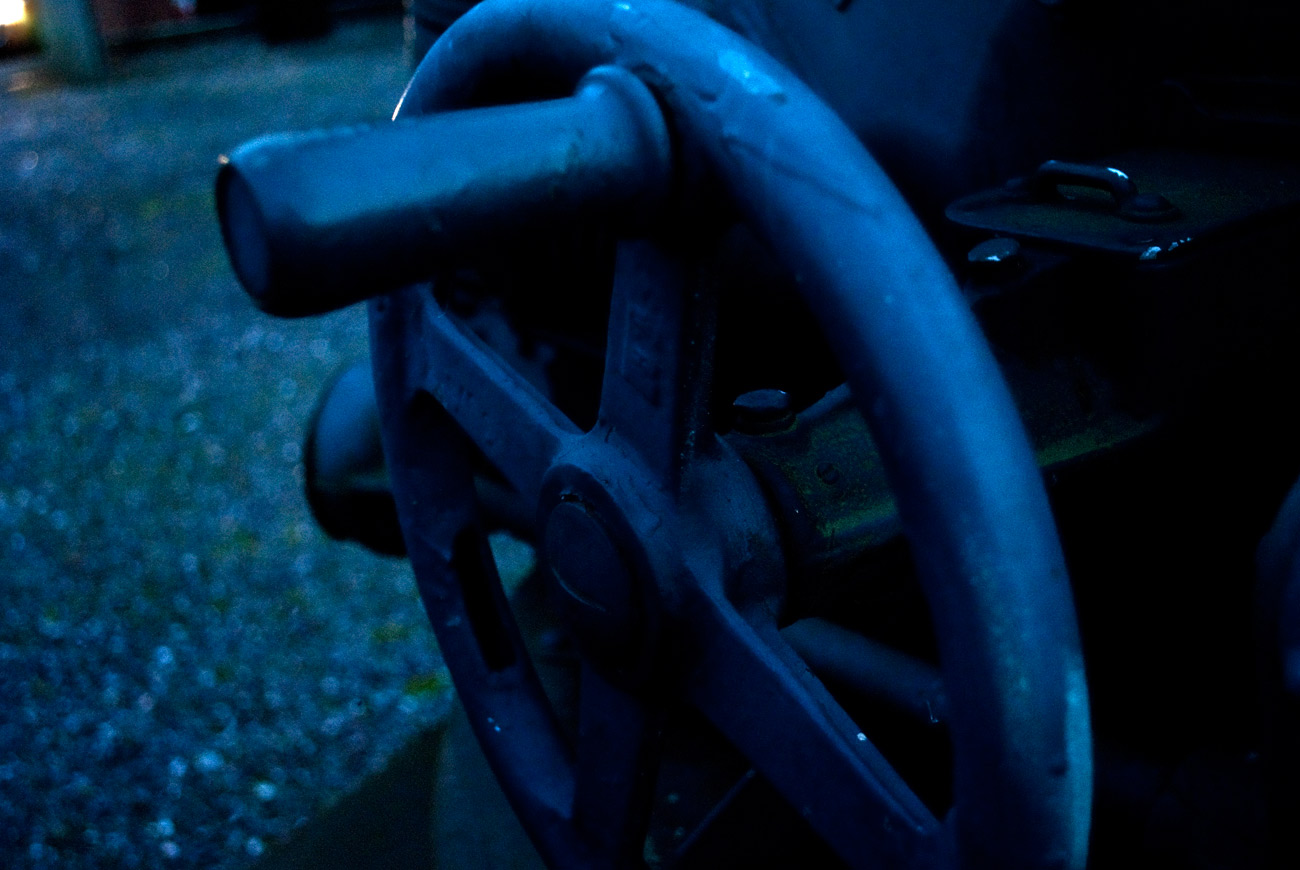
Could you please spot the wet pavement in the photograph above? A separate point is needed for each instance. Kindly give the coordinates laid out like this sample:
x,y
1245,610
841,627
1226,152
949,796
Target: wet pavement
x,y
189,670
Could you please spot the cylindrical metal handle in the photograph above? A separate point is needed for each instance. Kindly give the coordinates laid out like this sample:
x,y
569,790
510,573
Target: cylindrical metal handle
x,y
314,222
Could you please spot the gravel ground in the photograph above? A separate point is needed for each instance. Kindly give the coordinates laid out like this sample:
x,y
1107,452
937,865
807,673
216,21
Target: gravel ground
x,y
188,668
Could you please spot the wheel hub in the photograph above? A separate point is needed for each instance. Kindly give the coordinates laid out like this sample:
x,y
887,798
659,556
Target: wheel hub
x,y
599,594
603,571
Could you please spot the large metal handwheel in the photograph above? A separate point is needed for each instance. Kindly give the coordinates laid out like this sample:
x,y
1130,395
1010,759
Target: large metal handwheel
x,y
666,553
658,534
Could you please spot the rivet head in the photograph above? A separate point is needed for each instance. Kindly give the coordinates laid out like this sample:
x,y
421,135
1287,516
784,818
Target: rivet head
x,y
995,259
994,252
759,412
1149,208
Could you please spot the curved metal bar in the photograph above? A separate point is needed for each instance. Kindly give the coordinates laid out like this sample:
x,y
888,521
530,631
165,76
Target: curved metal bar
x,y
969,493
434,491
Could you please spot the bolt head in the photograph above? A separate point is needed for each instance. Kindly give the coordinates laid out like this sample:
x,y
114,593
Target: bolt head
x,y
1150,208
760,412
994,252
595,586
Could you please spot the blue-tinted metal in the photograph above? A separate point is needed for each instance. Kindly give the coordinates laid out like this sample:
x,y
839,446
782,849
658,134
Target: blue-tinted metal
x,y
969,493
685,533
317,221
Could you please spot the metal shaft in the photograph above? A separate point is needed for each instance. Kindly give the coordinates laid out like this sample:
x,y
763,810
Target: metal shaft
x,y
314,222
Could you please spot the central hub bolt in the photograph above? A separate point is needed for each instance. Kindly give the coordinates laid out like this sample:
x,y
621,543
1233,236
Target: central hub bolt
x,y
591,574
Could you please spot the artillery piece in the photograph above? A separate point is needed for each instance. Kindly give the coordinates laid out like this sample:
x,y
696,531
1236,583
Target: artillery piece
x,y
784,333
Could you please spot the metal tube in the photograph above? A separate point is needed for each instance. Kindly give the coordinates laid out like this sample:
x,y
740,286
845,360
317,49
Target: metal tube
x,y
314,222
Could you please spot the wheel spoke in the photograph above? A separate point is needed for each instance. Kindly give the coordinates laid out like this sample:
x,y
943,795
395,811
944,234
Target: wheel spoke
x,y
658,359
747,828
757,692
507,418
618,745
870,668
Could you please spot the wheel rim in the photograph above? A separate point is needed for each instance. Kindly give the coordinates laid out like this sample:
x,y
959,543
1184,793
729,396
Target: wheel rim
x,y
968,490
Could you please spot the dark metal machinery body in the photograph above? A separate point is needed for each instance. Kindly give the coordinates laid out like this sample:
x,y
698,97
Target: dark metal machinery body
x,y
1115,186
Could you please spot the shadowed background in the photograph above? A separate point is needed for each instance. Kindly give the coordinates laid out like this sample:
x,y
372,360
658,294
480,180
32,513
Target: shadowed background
x,y
188,668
